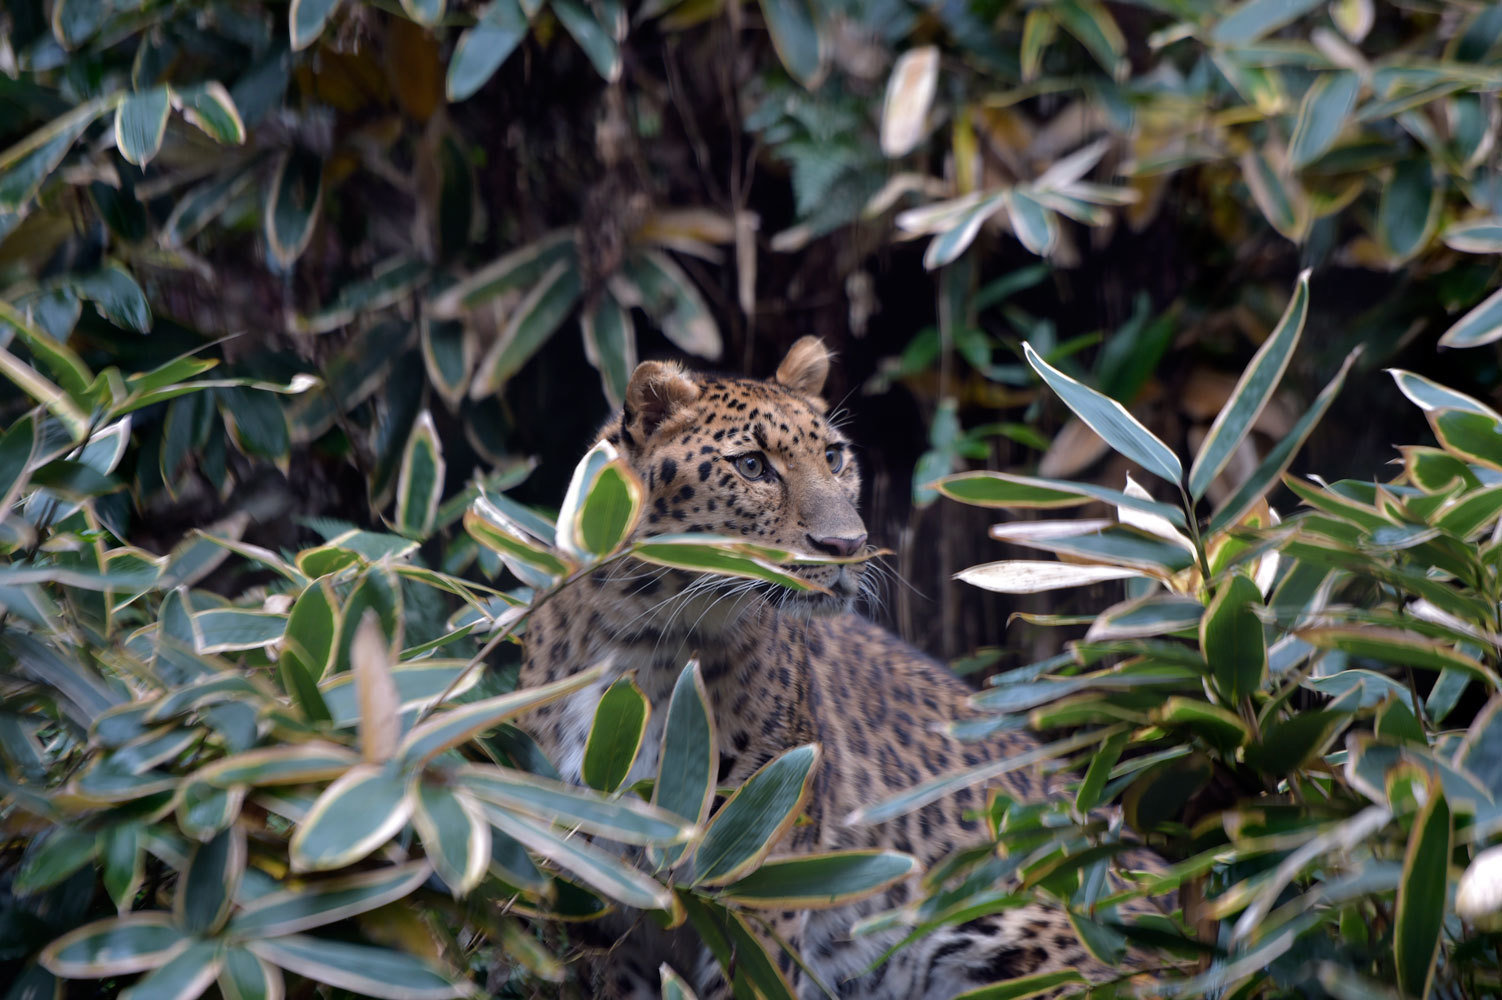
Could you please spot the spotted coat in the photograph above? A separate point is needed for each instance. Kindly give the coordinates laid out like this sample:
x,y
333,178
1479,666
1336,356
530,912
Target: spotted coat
x,y
760,460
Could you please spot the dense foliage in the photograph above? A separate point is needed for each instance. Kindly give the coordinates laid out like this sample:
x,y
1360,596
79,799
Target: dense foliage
x,y
277,280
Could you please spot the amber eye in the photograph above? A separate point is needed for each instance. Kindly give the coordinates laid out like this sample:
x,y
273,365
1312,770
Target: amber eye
x,y
836,459
752,465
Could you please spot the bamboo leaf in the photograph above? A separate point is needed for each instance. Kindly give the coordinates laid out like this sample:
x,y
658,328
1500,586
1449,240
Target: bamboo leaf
x,y
820,880
1420,913
288,911
360,811
361,969
615,738
754,818
498,30
140,123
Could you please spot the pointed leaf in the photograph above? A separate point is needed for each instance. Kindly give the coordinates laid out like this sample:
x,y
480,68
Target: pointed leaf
x,y
1482,325
615,737
1253,391
209,884
1420,908
752,821
1323,115
296,194
530,325
246,976
359,812
359,968
115,947
306,20
140,123
820,880
599,870
455,836
627,819
326,901
796,39
499,29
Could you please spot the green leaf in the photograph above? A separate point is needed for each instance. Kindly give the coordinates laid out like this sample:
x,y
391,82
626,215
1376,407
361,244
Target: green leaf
x,y
1092,25
1008,491
247,976
117,295
209,884
279,765
1323,115
591,865
391,281
1110,420
202,205
596,42
360,811
52,857
232,629
1476,236
308,647
448,353
1391,645
1024,986
652,281
541,312
306,19
1217,726
1420,911
420,483
455,836
615,737
123,863
673,986
1481,751
26,165
359,968
482,49
452,727
1429,396
962,228
1409,211
691,554
1253,19
754,818
1255,487
1036,227
186,975
820,880
624,819
1481,325
520,269
1087,797
796,39
115,947
418,684
689,763
61,363
296,191
140,123
211,108
602,505
45,393
1232,640
610,346
741,953
203,810
1159,794
1253,391
1474,437
428,12
288,911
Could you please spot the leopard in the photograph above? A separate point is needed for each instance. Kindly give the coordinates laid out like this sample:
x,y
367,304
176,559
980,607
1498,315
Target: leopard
x,y
762,460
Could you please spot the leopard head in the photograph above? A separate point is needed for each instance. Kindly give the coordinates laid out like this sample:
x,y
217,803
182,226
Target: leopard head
x,y
749,458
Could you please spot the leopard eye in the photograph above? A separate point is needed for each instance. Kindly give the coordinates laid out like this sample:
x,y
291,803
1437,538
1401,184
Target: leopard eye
x,y
752,465
835,457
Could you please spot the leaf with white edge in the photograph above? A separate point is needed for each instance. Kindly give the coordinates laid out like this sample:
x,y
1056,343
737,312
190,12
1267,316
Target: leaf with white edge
x,y
1429,396
498,30
208,886
796,38
910,94
1255,487
616,735
451,727
45,393
961,231
1323,115
360,811
1005,490
326,901
246,976
1093,27
221,630
610,346
183,977
707,557
361,969
140,124
1025,576
820,880
428,12
1420,908
1035,225
380,723
751,822
544,308
294,200
1400,647
1252,19
1475,236
419,485
72,375
1254,389
280,765
1482,325
306,21
418,684
597,43
596,868
114,947
210,108
52,857
1409,211
625,819
602,505
652,281
25,166
455,835
1110,420
673,986
688,764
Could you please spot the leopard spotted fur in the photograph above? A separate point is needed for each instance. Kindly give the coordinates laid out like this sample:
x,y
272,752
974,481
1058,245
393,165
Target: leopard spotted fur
x,y
760,459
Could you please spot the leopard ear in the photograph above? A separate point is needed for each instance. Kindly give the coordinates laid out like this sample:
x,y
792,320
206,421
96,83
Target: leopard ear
x,y
805,368
657,390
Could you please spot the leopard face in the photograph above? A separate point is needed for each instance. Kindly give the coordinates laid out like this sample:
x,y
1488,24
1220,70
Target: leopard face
x,y
748,459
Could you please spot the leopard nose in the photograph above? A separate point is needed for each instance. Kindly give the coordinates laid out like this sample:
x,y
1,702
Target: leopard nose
x,y
838,546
